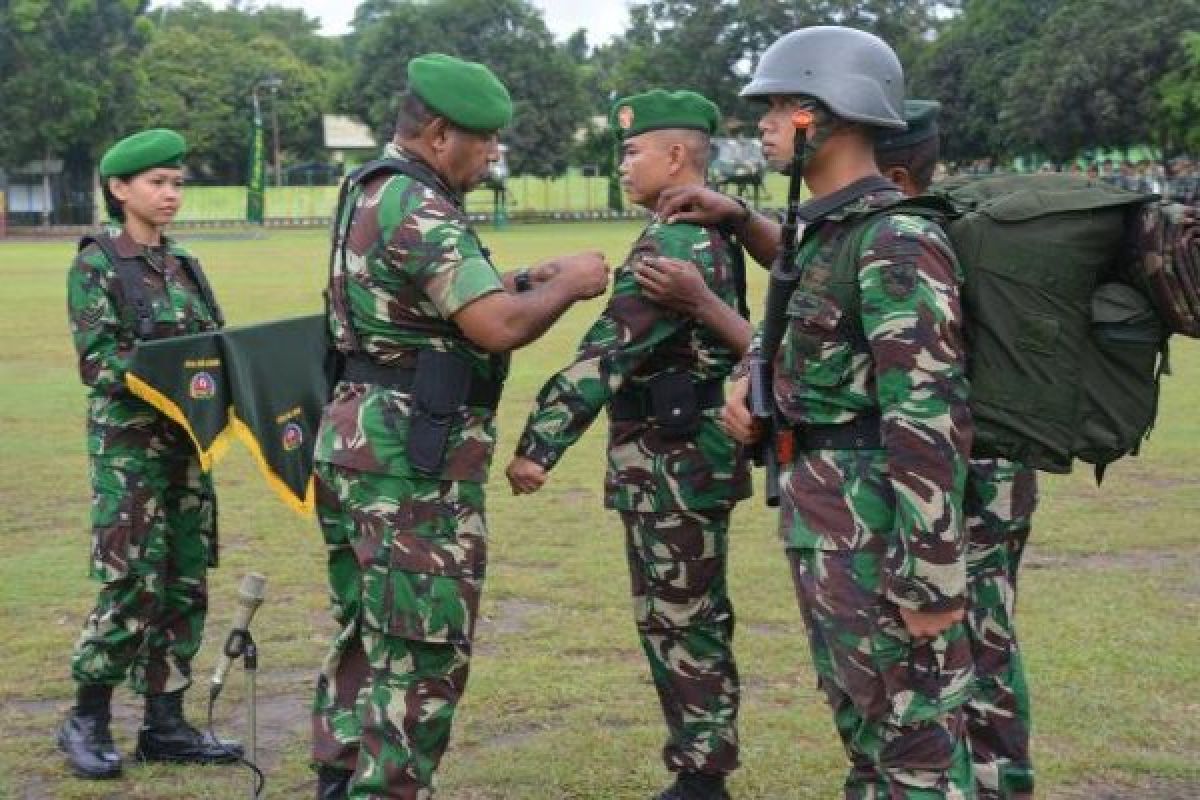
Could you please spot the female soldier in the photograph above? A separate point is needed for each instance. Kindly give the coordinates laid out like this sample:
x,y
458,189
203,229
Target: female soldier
x,y
153,509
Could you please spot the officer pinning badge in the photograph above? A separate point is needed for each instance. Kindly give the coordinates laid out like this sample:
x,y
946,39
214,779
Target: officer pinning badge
x,y
202,387
293,436
625,117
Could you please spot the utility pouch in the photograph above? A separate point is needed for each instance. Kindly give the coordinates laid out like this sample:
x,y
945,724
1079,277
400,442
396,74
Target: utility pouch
x,y
439,392
674,403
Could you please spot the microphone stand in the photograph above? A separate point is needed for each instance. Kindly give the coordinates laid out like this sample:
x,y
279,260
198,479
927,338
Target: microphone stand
x,y
241,645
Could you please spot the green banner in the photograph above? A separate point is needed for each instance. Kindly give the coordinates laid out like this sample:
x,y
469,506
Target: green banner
x,y
257,171
264,383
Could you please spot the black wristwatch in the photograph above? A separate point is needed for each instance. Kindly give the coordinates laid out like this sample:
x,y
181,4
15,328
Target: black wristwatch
x,y
522,280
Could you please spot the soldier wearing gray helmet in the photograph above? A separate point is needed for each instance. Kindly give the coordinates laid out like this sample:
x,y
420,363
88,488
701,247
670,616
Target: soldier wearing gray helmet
x,y
864,333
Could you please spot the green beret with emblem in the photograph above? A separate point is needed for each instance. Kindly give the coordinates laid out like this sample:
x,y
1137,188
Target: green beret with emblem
x,y
921,116
157,147
464,92
659,109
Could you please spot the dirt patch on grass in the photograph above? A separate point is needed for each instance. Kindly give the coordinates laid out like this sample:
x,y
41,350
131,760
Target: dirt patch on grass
x,y
507,618
1147,789
1131,559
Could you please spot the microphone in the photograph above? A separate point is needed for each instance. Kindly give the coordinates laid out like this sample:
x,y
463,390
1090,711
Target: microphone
x,y
250,597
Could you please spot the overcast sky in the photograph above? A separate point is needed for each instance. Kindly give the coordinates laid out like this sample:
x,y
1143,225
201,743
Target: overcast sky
x,y
602,18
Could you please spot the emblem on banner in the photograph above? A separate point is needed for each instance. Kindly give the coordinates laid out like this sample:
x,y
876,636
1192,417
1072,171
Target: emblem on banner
x,y
203,386
293,436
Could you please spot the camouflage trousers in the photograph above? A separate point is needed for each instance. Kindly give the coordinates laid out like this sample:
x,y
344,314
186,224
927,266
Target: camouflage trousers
x,y
677,565
153,533
406,561
896,701
999,503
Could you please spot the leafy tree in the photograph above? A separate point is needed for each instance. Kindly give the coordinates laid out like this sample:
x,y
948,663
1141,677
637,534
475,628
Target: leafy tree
x,y
509,36
68,75
967,65
1090,81
202,66
1180,92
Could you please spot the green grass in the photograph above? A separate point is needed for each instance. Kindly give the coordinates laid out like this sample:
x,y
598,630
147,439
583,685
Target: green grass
x,y
559,704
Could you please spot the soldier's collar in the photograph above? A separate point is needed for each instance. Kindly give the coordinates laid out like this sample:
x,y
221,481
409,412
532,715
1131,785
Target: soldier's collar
x,y
869,202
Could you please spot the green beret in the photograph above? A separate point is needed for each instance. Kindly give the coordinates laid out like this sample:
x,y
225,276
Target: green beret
x,y
921,116
464,92
658,109
158,147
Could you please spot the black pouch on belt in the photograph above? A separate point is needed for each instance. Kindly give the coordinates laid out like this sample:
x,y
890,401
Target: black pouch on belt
x,y
439,392
674,403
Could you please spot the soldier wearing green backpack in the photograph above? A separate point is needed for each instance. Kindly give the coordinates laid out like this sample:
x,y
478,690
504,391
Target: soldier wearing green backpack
x,y
873,402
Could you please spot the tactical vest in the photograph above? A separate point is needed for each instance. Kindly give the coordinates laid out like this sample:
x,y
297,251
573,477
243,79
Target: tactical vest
x,y
1065,351
133,289
337,307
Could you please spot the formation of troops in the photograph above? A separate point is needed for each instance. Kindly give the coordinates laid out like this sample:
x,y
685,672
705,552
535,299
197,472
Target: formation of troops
x,y
904,549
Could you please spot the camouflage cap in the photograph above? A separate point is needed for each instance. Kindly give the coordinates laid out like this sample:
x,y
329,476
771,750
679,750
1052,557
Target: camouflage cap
x,y
921,116
464,92
658,109
157,147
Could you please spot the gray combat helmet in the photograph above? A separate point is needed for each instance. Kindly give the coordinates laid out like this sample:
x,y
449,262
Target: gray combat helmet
x,y
854,73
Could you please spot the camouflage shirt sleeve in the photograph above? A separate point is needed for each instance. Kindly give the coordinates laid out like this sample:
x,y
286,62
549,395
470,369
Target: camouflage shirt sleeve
x,y
105,351
620,341
443,257
912,318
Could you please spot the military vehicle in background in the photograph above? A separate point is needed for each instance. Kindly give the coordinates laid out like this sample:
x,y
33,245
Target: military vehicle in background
x,y
738,167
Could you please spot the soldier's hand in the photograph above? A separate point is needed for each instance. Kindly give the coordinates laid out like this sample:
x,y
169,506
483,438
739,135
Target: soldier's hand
x,y
676,284
525,476
736,417
927,624
697,205
587,273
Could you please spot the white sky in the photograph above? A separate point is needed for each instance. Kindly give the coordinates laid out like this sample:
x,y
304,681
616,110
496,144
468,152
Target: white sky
x,y
602,18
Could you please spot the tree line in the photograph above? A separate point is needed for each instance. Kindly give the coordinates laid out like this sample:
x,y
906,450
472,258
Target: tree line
x,y
1014,76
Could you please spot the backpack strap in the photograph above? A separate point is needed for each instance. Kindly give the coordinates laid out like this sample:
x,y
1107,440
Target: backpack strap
x,y
129,275
737,266
191,266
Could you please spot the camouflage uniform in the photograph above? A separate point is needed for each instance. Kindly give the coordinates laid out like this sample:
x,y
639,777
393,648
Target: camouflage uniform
x,y
153,508
406,551
674,493
868,530
1000,499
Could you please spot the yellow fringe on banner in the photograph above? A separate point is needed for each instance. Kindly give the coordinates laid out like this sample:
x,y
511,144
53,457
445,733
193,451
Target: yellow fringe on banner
x,y
164,405
304,506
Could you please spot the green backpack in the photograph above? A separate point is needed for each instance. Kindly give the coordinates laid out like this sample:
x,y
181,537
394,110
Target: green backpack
x,y
1064,353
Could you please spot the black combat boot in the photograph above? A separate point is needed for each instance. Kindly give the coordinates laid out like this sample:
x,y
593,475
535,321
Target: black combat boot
x,y
86,738
333,783
695,786
166,736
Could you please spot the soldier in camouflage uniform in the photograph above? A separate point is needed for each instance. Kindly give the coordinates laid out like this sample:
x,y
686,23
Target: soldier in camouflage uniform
x,y
869,383
422,320
153,509
998,505
673,474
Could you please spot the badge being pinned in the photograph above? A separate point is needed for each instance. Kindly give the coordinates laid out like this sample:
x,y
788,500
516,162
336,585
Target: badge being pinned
x,y
625,117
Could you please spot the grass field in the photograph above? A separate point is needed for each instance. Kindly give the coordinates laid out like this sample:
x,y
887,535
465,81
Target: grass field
x,y
560,705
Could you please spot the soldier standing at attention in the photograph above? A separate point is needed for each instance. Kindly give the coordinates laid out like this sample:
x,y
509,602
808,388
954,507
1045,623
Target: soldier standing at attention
x,y
422,321
154,531
873,396
998,504
673,474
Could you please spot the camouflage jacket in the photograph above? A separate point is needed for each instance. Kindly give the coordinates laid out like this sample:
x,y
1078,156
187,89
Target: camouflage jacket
x,y
633,341
901,356
103,325
411,262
